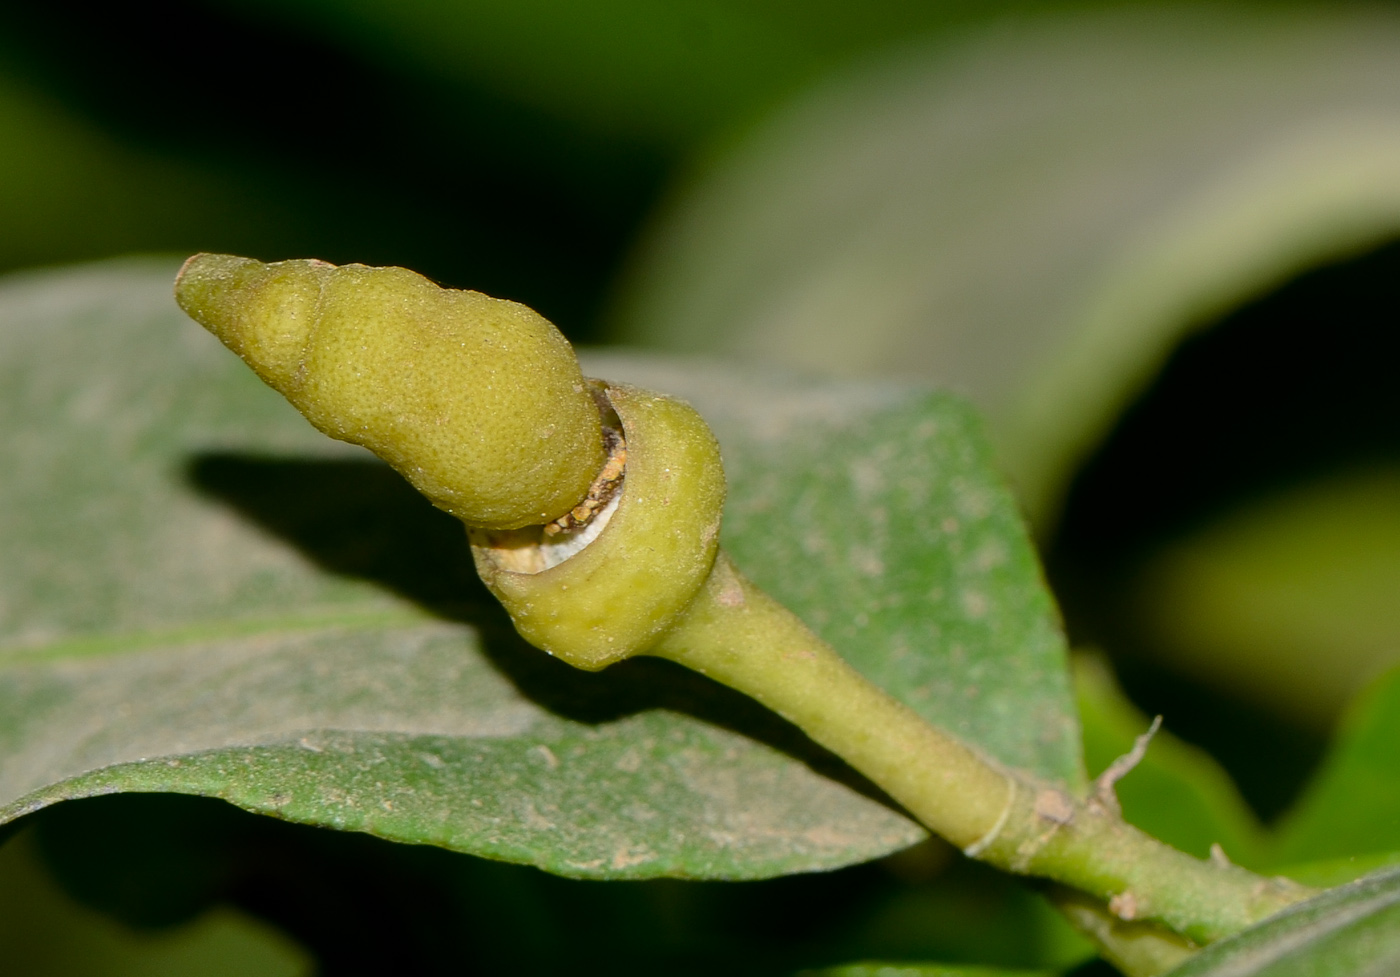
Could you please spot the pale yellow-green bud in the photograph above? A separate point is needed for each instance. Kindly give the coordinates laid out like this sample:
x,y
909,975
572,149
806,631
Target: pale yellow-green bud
x,y
479,402
620,594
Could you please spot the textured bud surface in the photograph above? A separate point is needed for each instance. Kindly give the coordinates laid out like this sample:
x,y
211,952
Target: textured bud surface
x,y
479,402
619,594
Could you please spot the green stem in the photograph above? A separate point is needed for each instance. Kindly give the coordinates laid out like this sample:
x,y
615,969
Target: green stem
x,y
738,635
1138,949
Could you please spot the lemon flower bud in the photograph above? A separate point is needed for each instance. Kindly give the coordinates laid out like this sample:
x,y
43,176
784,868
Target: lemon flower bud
x,y
478,402
594,514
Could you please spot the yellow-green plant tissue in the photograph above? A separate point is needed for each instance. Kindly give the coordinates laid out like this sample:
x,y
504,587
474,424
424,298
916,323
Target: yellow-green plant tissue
x,y
479,402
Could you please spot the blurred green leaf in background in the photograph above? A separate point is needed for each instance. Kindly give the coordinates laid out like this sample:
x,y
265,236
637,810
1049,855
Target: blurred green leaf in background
x,y
511,147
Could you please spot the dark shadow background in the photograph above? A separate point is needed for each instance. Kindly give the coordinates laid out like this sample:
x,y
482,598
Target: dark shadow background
x,y
304,129
242,135
1301,382
368,908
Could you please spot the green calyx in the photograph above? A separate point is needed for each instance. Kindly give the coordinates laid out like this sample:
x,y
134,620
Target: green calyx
x,y
478,402
619,594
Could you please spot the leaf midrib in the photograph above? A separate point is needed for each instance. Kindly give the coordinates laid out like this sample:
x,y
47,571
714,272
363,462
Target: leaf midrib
x,y
97,645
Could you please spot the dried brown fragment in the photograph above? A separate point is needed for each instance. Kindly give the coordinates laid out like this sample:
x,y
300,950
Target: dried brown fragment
x,y
601,492
1125,906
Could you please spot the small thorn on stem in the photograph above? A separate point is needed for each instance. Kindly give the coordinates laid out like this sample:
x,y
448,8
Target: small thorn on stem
x,y
1120,768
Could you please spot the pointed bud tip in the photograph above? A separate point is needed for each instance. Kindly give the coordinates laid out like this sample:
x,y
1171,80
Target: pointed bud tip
x,y
203,269
204,284
259,310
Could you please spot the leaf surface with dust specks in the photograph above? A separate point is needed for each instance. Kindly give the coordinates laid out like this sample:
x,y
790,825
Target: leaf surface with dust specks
x,y
201,594
1350,931
874,512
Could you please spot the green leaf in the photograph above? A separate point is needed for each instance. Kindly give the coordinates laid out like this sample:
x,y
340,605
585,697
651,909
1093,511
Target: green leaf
x,y
1350,931
1352,805
201,594
919,970
1036,213
1177,793
406,733
1339,871
875,513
